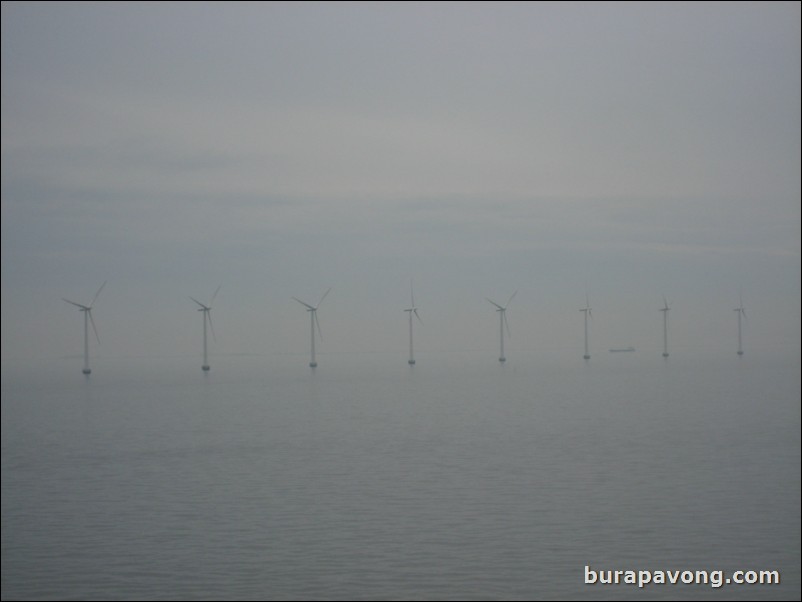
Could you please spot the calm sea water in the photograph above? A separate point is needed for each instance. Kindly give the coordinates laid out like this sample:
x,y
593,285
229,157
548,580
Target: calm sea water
x,y
457,478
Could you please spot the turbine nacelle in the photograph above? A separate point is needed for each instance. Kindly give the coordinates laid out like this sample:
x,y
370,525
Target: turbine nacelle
x,y
313,307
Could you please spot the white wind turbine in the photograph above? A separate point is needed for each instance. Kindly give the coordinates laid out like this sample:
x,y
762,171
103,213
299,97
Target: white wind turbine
x,y
665,326
313,316
87,309
588,313
207,316
502,315
410,311
741,312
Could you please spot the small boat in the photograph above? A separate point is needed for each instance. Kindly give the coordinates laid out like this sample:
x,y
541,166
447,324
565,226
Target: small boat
x,y
623,350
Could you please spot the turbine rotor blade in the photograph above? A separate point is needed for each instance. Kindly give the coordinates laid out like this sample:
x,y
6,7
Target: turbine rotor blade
x,y
97,293
302,303
506,323
510,299
199,303
323,297
494,303
319,332
411,294
208,314
214,295
84,307
417,316
94,329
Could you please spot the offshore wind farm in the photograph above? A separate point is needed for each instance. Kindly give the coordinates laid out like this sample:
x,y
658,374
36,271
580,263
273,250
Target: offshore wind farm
x,y
412,310
294,165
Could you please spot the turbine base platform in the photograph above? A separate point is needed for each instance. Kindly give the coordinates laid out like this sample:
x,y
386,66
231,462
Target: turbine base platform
x,y
502,359
411,362
86,371
313,364
587,357
665,355
740,353
205,368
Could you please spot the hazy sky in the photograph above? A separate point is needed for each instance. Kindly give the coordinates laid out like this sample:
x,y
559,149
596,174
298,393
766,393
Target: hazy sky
x,y
630,150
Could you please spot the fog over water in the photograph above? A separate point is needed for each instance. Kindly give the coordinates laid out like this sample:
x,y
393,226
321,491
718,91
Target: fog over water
x,y
618,157
625,151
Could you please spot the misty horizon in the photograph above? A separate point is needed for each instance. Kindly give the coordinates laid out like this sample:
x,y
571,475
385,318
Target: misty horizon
x,y
629,151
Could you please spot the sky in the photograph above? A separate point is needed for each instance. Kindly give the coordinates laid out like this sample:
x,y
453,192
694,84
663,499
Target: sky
x,y
623,152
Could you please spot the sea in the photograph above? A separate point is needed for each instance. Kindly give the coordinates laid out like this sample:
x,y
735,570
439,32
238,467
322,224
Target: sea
x,y
458,478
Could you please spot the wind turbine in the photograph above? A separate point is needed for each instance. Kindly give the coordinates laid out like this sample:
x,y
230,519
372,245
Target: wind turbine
x,y
665,326
87,309
410,311
741,312
313,316
587,314
502,315
207,316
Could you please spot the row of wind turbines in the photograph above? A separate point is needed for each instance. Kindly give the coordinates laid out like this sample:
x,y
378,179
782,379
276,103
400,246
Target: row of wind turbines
x,y
411,310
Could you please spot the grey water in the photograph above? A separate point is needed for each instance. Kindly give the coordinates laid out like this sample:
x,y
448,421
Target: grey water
x,y
369,479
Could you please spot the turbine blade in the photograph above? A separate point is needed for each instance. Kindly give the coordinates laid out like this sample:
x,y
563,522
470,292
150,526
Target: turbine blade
x,y
302,303
215,294
494,303
506,323
319,332
417,316
208,314
411,294
74,303
97,293
94,329
590,313
199,303
510,299
323,297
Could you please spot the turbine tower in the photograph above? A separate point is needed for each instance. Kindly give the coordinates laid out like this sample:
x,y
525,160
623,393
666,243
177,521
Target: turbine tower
x,y
665,326
502,316
587,314
207,316
313,316
741,312
412,309
87,309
